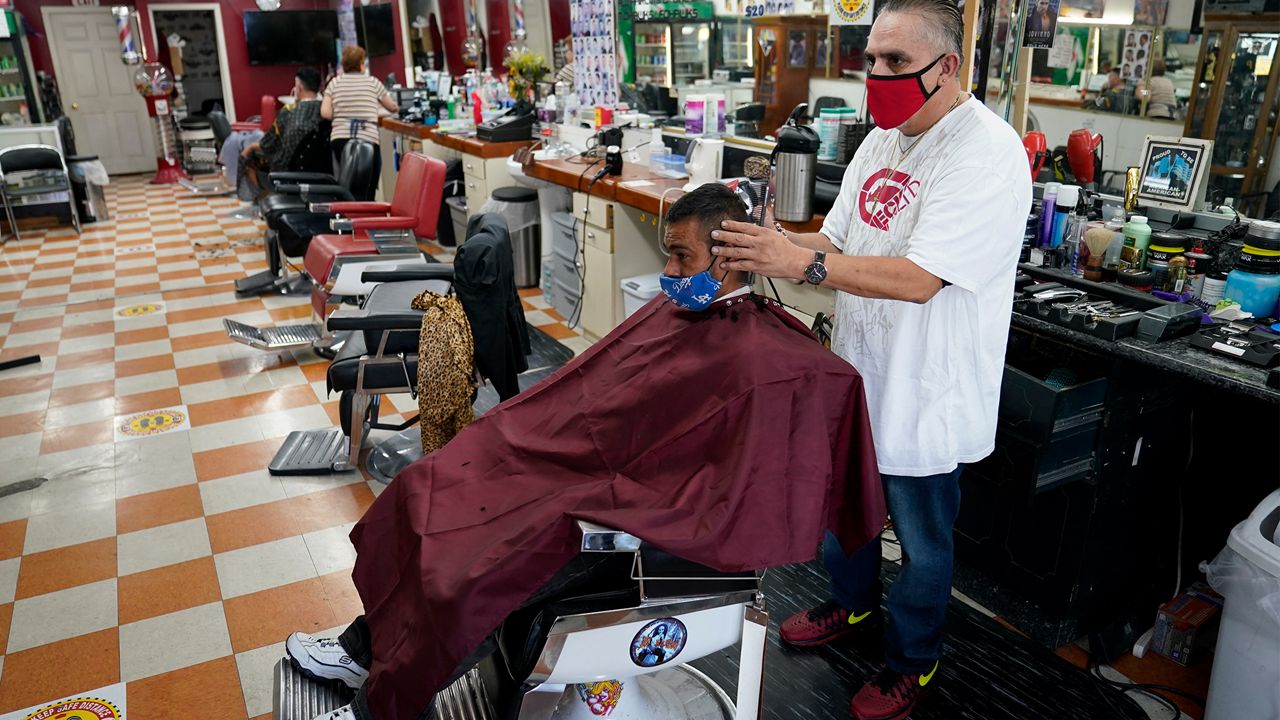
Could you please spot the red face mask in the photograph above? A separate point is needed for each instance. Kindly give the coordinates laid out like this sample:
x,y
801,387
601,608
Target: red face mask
x,y
893,99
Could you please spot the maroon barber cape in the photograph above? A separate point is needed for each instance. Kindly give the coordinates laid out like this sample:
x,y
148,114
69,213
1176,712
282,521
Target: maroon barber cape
x,y
729,438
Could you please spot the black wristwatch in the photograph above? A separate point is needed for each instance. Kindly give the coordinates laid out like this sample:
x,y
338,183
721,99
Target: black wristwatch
x,y
816,272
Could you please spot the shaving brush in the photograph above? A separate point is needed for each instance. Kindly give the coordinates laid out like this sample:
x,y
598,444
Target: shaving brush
x,y
1097,239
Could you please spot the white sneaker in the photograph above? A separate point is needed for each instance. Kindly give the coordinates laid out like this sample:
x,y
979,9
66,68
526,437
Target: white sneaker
x,y
324,659
343,713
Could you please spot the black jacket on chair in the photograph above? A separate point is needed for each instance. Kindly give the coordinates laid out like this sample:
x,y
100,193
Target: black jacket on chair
x,y
485,281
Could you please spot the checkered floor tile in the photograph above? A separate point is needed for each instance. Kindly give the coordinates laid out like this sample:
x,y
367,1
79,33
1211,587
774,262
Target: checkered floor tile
x,y
141,539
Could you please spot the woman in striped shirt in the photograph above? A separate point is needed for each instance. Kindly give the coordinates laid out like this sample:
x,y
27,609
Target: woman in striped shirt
x,y
353,101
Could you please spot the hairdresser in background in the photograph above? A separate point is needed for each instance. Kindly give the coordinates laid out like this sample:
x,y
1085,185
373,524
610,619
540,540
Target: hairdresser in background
x,y
353,101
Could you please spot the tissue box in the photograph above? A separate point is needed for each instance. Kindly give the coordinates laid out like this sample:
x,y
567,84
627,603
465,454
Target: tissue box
x,y
1184,619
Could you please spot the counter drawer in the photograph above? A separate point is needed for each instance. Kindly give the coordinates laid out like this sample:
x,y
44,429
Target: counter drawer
x,y
473,166
598,212
564,238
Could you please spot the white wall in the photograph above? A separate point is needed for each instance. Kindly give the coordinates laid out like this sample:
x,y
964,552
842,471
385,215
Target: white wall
x,y
853,92
1122,135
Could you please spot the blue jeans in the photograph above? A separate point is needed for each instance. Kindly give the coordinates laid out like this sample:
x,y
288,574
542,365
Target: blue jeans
x,y
924,512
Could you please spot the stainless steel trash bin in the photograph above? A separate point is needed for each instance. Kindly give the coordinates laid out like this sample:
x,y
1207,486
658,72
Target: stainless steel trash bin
x,y
458,212
519,205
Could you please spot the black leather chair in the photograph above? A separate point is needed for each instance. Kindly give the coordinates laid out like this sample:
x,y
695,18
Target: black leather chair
x,y
291,225
827,102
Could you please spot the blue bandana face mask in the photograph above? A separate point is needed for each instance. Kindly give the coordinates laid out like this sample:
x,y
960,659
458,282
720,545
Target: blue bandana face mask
x,y
692,293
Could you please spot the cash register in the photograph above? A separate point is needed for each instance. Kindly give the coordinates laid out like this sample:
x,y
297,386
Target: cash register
x,y
507,127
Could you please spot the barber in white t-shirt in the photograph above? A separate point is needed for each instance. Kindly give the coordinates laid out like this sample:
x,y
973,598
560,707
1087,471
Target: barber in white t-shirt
x,y
921,249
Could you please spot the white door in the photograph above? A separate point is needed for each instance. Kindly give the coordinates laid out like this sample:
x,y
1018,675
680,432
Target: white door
x,y
109,116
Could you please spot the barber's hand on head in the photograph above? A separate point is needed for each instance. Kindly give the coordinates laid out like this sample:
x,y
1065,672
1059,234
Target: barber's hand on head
x,y
760,250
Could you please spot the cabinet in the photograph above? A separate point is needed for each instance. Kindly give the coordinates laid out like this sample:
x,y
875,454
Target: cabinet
x,y
618,242
1235,103
481,177
653,52
784,60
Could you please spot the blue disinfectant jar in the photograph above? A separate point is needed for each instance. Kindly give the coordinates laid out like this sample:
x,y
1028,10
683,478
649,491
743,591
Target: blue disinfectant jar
x,y
1255,281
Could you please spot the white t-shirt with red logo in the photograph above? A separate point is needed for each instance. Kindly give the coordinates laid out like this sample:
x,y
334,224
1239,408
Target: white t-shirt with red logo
x,y
956,206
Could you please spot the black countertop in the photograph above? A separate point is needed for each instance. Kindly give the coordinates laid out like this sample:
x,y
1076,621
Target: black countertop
x,y
1176,356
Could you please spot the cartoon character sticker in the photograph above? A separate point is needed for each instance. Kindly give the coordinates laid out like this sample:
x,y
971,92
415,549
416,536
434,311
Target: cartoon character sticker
x,y
601,697
658,642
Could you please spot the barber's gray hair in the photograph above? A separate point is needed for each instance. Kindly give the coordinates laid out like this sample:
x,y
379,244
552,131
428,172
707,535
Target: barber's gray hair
x,y
943,23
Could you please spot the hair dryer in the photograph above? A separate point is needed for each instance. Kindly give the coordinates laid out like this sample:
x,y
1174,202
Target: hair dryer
x,y
1037,151
1084,153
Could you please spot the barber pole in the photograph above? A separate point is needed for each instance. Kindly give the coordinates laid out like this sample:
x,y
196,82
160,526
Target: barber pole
x,y
519,12
123,15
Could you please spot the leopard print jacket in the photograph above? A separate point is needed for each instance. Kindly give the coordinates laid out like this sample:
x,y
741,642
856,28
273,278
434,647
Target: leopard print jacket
x,y
446,369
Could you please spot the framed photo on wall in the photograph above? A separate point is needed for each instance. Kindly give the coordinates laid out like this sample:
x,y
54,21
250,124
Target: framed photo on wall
x,y
821,51
797,48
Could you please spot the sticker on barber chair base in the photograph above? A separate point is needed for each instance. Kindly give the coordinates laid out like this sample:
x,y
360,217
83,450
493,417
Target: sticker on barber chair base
x,y
658,642
106,703
152,422
601,697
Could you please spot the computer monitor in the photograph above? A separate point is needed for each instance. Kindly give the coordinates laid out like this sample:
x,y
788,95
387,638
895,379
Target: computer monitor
x,y
1175,171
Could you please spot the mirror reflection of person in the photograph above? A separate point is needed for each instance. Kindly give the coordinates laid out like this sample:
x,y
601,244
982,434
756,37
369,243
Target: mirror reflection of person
x,y
1161,99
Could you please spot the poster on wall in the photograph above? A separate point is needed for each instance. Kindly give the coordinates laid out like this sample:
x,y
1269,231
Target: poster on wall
x,y
1083,8
1136,54
1150,12
1041,25
852,12
595,77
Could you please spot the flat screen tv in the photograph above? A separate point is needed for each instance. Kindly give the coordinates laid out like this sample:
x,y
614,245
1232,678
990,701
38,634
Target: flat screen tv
x,y
291,37
375,29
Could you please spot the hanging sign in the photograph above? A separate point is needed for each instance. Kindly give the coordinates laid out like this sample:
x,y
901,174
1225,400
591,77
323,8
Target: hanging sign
x,y
762,8
852,12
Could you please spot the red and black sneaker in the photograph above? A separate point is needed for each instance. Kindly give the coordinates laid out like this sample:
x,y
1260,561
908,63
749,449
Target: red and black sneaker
x,y
890,695
827,622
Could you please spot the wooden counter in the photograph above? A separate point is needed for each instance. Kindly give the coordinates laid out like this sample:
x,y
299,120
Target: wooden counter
x,y
637,187
422,132
479,148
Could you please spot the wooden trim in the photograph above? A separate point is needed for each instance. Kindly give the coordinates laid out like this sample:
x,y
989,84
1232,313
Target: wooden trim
x,y
969,44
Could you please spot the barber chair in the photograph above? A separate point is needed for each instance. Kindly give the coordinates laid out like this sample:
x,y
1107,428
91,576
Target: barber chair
x,y
220,129
380,356
290,222
747,120
389,231
617,643
261,122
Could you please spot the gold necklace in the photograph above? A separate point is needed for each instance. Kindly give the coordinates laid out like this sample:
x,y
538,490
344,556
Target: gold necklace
x,y
894,171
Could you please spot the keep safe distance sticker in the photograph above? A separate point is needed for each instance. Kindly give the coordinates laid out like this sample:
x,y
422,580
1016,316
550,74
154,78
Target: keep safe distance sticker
x,y
106,703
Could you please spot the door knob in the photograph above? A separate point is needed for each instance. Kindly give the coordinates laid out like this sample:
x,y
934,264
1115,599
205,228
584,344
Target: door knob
x,y
75,106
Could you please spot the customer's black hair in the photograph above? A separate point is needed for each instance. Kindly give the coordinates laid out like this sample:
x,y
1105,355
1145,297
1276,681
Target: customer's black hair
x,y
711,204
310,78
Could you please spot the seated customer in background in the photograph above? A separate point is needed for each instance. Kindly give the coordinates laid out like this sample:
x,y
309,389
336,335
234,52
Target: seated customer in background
x,y
293,125
710,424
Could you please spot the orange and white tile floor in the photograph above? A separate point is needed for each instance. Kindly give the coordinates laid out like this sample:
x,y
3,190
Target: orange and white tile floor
x,y
162,556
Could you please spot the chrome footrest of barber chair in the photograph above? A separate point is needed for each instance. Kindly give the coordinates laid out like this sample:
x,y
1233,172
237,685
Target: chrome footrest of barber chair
x,y
261,283
311,452
245,212
297,697
282,337
210,189
465,699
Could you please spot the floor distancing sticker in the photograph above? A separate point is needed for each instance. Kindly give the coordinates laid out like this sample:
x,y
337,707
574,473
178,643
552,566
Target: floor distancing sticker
x,y
106,703
132,311
134,249
152,422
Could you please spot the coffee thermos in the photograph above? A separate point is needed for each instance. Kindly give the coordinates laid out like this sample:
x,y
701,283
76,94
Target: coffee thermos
x,y
795,159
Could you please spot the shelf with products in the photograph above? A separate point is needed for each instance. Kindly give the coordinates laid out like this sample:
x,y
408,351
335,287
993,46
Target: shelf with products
x,y
1235,101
